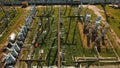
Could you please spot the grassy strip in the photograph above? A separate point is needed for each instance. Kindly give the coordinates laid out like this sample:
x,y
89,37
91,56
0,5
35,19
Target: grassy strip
x,y
32,30
113,42
105,52
1,14
22,64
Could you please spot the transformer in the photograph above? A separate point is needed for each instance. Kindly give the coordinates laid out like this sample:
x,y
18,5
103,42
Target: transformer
x,y
24,28
10,44
21,36
23,32
20,43
13,52
9,58
16,47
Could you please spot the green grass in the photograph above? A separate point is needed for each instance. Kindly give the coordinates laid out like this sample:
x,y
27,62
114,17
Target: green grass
x,y
1,14
49,41
11,14
100,7
118,51
107,52
33,30
9,30
22,64
112,40
114,23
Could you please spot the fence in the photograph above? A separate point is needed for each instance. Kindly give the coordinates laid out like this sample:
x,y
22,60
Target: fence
x,y
61,2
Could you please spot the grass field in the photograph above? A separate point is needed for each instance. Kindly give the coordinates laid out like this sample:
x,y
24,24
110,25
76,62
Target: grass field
x,y
72,44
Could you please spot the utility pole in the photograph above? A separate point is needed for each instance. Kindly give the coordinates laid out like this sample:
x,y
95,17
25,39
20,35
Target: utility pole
x,y
59,39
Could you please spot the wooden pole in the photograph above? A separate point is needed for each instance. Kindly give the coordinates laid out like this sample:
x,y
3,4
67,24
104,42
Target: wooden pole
x,y
59,39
